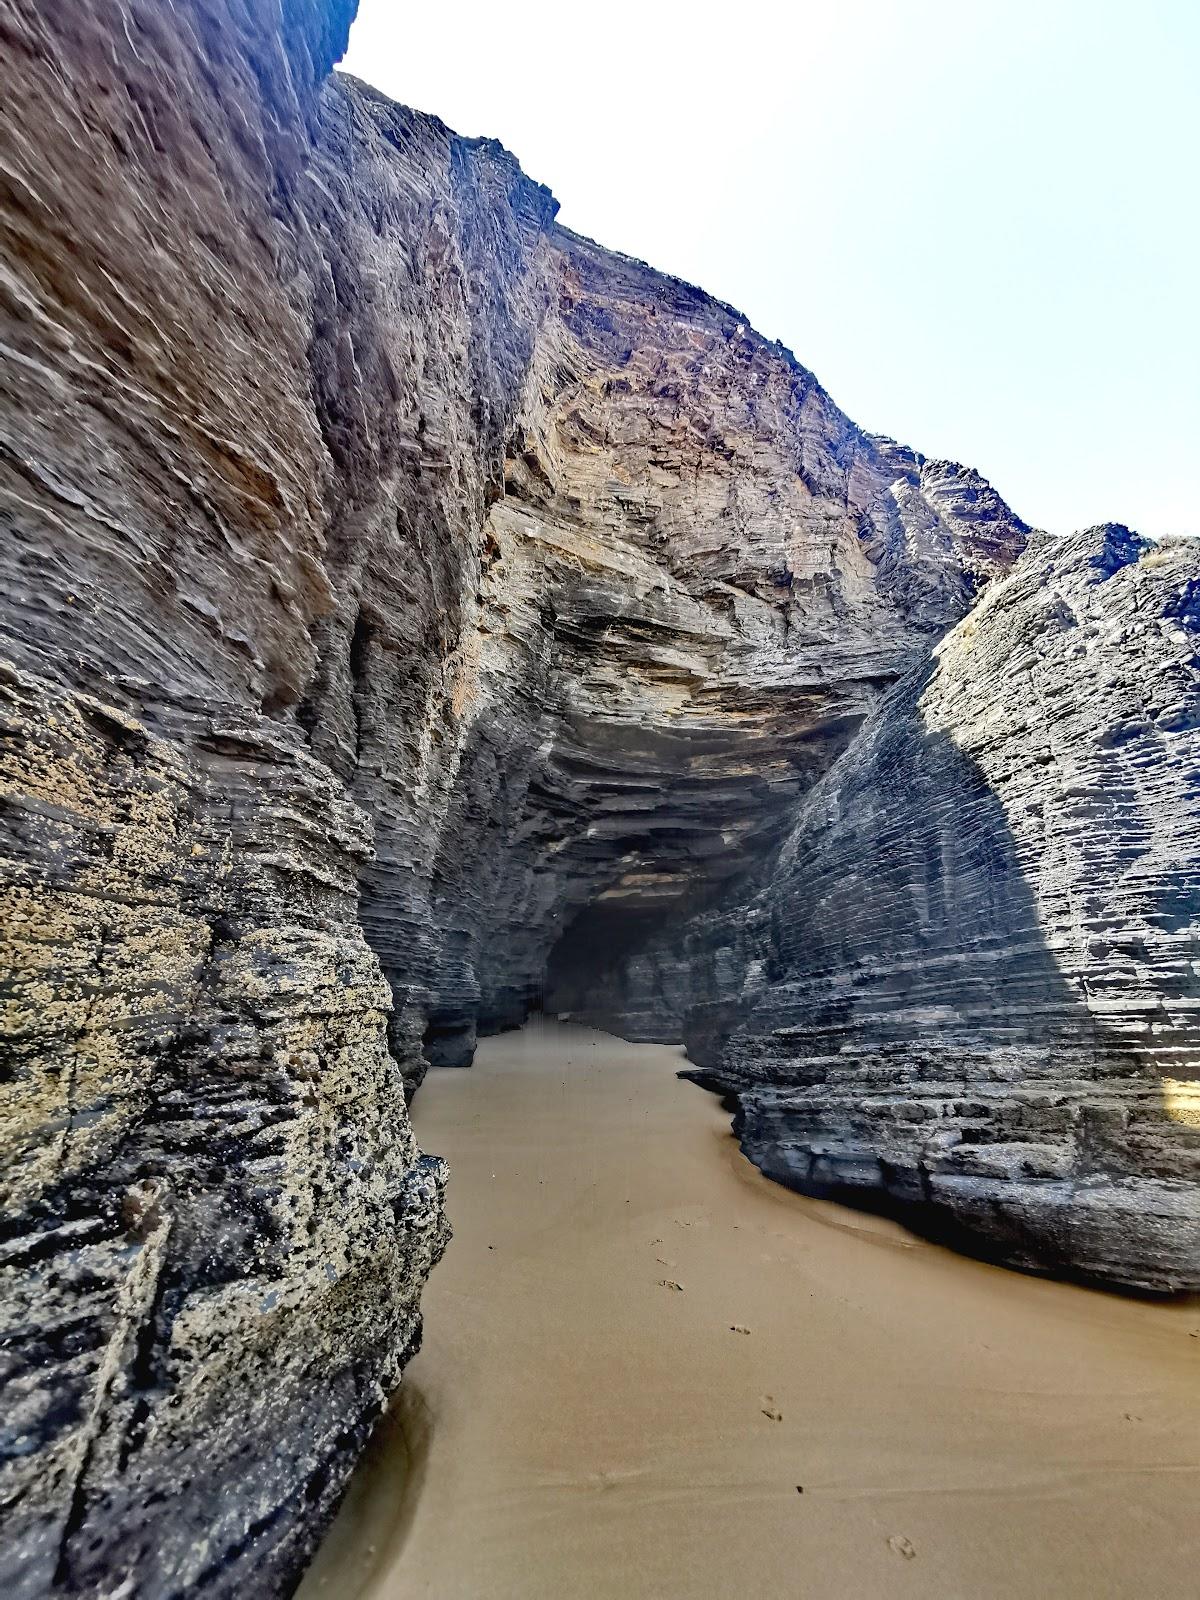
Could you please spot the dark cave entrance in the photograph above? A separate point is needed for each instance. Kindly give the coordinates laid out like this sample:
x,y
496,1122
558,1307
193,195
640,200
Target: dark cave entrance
x,y
636,955
603,895
589,968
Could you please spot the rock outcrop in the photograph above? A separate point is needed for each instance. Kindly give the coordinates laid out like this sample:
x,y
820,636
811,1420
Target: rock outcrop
x,y
700,578
412,612
216,1220
971,983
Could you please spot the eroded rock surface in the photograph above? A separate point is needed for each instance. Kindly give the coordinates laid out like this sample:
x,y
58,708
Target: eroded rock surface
x,y
971,984
699,580
412,611
216,1220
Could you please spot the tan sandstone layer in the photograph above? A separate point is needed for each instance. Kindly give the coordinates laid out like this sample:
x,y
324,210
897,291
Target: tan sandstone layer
x,y
574,1426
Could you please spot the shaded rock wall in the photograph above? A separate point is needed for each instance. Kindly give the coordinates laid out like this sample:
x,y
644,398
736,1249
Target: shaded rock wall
x,y
216,1221
971,985
700,578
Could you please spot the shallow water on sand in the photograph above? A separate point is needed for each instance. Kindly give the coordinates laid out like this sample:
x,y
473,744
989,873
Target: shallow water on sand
x,y
825,1406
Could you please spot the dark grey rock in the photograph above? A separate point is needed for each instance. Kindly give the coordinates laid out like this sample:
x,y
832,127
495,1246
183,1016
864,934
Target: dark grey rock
x,y
970,984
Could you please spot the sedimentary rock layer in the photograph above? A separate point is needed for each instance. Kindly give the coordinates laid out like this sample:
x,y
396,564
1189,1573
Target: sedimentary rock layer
x,y
216,1220
409,611
971,983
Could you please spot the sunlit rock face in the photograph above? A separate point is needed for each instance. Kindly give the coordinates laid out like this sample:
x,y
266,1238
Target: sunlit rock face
x,y
700,578
412,613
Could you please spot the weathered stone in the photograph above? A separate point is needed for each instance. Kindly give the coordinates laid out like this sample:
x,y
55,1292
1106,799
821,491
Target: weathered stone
x,y
216,1220
972,981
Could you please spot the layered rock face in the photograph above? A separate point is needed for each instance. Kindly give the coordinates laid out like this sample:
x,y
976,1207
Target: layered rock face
x,y
971,983
699,580
412,612
216,1220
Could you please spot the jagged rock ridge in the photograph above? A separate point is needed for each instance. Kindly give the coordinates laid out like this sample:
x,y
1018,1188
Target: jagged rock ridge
x,y
405,600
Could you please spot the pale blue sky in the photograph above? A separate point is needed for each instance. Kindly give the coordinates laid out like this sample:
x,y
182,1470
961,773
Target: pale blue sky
x,y
977,222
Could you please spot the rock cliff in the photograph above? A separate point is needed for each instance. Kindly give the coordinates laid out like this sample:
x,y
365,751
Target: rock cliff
x,y
970,985
412,611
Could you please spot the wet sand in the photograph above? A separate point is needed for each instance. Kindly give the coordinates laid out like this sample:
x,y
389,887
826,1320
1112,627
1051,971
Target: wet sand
x,y
576,1427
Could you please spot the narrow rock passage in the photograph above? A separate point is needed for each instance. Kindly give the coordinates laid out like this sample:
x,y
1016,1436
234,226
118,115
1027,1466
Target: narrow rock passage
x,y
577,1426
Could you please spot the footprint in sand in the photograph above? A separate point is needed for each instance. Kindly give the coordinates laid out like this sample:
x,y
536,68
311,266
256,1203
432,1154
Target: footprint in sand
x,y
769,1409
669,1283
736,1327
902,1546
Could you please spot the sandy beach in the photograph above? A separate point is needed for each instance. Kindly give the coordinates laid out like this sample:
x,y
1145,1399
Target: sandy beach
x,y
648,1371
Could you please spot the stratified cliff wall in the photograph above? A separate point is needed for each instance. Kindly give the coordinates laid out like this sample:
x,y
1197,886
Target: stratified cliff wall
x,y
216,1220
411,611
970,985
700,578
